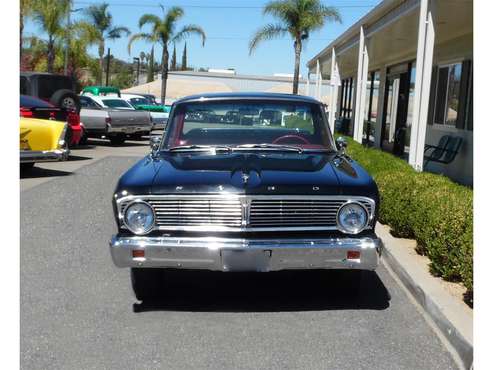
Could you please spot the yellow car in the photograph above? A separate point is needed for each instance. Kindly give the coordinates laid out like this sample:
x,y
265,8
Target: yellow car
x,y
42,140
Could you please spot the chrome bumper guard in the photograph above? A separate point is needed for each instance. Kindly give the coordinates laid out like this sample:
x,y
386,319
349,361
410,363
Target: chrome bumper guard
x,y
221,254
29,156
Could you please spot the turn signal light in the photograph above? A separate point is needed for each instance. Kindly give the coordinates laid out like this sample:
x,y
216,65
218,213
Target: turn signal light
x,y
353,255
138,253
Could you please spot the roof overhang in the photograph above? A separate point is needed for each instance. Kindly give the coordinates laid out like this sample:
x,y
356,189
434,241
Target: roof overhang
x,y
351,36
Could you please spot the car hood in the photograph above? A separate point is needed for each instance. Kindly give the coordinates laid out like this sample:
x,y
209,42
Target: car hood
x,y
248,173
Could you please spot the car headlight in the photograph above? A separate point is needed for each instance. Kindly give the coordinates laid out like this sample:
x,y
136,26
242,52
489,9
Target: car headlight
x,y
352,218
139,217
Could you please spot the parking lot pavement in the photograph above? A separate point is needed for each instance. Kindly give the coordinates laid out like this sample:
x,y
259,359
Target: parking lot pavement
x,y
77,309
81,156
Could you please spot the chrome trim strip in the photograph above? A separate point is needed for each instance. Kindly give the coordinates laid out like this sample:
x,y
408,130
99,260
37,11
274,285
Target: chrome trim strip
x,y
242,199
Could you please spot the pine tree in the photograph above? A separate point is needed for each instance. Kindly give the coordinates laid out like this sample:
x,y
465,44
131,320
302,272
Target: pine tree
x,y
184,58
173,60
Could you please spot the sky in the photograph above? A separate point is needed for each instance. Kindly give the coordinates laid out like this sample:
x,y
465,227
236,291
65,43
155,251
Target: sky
x,y
229,25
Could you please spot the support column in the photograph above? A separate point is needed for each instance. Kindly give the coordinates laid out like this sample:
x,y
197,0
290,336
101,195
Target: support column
x,y
362,77
307,86
381,115
317,81
424,66
335,82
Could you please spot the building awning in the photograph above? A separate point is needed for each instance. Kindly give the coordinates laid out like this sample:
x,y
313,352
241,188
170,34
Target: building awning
x,y
391,29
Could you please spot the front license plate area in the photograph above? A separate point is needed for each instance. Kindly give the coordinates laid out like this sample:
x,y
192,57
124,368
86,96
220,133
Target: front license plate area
x,y
246,260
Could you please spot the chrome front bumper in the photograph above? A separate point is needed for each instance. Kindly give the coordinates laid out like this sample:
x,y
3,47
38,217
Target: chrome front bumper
x,y
29,156
221,254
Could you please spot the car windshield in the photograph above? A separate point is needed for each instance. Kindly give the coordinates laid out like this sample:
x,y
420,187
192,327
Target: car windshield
x,y
248,125
116,103
139,101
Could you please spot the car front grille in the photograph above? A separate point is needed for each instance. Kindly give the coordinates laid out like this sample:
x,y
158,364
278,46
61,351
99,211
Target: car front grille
x,y
197,212
246,213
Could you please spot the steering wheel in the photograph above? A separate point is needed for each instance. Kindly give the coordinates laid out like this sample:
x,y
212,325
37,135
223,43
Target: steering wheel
x,y
286,137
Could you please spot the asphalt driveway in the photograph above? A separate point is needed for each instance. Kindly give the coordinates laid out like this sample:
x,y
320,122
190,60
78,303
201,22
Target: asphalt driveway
x,y
78,312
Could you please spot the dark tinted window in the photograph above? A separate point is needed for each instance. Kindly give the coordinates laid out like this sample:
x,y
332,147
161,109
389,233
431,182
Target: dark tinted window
x,y
47,85
24,85
138,101
32,102
86,102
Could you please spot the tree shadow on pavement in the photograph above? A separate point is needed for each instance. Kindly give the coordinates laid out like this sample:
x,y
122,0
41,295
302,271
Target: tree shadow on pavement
x,y
204,291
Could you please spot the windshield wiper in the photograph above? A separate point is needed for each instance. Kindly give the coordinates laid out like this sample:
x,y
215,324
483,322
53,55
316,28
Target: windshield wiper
x,y
199,148
268,146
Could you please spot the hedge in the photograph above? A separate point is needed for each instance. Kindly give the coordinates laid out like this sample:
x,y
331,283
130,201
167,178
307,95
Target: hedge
x,y
430,208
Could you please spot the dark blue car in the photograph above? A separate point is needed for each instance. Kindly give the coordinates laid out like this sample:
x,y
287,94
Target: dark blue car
x,y
245,182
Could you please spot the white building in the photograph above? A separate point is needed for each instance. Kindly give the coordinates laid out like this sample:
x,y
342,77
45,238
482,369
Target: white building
x,y
404,81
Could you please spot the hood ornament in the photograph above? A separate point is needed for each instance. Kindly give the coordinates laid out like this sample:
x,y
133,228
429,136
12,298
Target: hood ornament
x,y
245,177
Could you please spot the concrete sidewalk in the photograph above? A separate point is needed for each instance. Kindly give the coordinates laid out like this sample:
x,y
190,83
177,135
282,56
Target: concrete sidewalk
x,y
451,316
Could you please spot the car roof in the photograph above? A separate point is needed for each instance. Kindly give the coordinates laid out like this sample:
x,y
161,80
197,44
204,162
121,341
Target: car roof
x,y
248,96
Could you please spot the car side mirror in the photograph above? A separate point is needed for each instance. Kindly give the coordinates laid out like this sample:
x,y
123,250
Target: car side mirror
x,y
341,144
154,143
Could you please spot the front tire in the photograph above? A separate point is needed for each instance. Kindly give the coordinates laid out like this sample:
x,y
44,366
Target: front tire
x,y
147,283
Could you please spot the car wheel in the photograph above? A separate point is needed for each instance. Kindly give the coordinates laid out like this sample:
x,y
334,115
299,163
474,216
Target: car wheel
x,y
83,139
117,140
66,99
26,166
147,283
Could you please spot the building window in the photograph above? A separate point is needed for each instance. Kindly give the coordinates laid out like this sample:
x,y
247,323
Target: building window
x,y
448,92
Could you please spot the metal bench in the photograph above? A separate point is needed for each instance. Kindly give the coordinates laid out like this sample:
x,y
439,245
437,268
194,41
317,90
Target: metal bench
x,y
445,152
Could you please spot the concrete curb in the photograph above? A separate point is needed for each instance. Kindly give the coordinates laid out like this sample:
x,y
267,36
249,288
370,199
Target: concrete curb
x,y
452,320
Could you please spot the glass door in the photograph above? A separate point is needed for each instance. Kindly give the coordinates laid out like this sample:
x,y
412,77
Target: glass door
x,y
390,112
396,128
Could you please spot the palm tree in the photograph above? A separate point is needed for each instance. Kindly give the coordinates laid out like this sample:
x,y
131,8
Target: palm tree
x,y
298,18
26,8
163,32
50,15
101,21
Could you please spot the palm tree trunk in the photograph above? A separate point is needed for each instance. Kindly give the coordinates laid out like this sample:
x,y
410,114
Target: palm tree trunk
x,y
164,73
101,63
21,30
297,56
51,54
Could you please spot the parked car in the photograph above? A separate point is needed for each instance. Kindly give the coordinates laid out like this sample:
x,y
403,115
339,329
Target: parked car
x,y
225,197
32,107
42,140
102,119
159,113
59,90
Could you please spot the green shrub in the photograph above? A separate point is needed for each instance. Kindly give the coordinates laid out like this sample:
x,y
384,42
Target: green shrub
x,y
430,208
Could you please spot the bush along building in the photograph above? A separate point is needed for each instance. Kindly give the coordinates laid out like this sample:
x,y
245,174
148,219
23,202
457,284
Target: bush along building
x,y
402,81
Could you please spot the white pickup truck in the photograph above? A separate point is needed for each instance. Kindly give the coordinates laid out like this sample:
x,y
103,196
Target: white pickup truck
x,y
112,118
